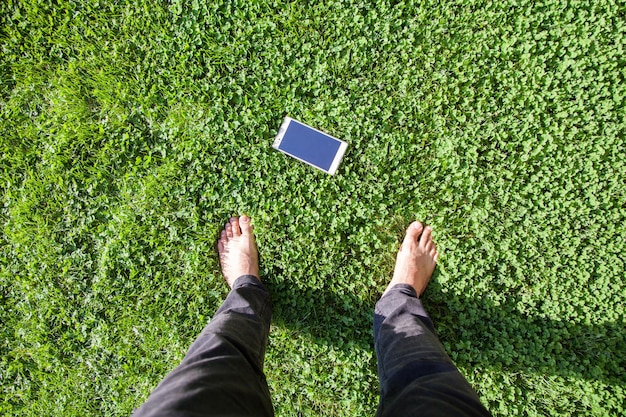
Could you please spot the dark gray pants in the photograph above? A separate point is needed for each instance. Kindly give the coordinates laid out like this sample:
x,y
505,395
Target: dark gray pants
x,y
222,373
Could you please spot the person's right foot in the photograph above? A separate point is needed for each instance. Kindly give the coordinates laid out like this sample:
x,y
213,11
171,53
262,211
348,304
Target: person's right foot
x,y
416,259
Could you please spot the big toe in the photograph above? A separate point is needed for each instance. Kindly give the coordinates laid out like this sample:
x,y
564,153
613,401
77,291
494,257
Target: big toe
x,y
413,232
246,226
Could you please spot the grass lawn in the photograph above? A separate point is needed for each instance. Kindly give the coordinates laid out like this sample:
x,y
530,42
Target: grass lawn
x,y
130,131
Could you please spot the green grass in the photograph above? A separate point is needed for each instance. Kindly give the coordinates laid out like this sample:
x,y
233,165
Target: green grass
x,y
131,131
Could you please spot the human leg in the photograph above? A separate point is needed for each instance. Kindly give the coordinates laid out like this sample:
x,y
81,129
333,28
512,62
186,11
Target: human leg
x,y
222,373
417,377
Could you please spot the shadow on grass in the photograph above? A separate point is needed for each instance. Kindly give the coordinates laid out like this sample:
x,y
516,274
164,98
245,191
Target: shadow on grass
x,y
476,332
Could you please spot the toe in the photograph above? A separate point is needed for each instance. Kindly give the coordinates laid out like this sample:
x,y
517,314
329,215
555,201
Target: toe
x,y
246,226
229,230
234,223
413,232
426,237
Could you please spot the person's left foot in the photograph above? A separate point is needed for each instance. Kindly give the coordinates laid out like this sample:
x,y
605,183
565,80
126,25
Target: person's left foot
x,y
237,250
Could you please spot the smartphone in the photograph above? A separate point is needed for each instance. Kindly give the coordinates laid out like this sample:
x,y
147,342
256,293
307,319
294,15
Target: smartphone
x,y
310,145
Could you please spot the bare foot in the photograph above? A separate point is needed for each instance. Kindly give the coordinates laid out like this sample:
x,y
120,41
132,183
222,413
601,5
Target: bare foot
x,y
416,259
237,250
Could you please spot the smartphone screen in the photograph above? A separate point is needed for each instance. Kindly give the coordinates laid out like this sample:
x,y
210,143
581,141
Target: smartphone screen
x,y
310,145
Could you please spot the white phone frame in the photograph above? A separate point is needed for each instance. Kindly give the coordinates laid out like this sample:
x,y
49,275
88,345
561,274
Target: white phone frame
x,y
338,156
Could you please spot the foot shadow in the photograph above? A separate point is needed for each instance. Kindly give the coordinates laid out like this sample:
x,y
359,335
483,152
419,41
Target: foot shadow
x,y
500,336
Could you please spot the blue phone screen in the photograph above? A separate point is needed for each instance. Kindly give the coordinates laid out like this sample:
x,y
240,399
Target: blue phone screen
x,y
309,145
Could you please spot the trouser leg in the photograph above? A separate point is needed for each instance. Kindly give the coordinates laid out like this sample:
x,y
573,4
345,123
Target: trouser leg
x,y
222,373
416,375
